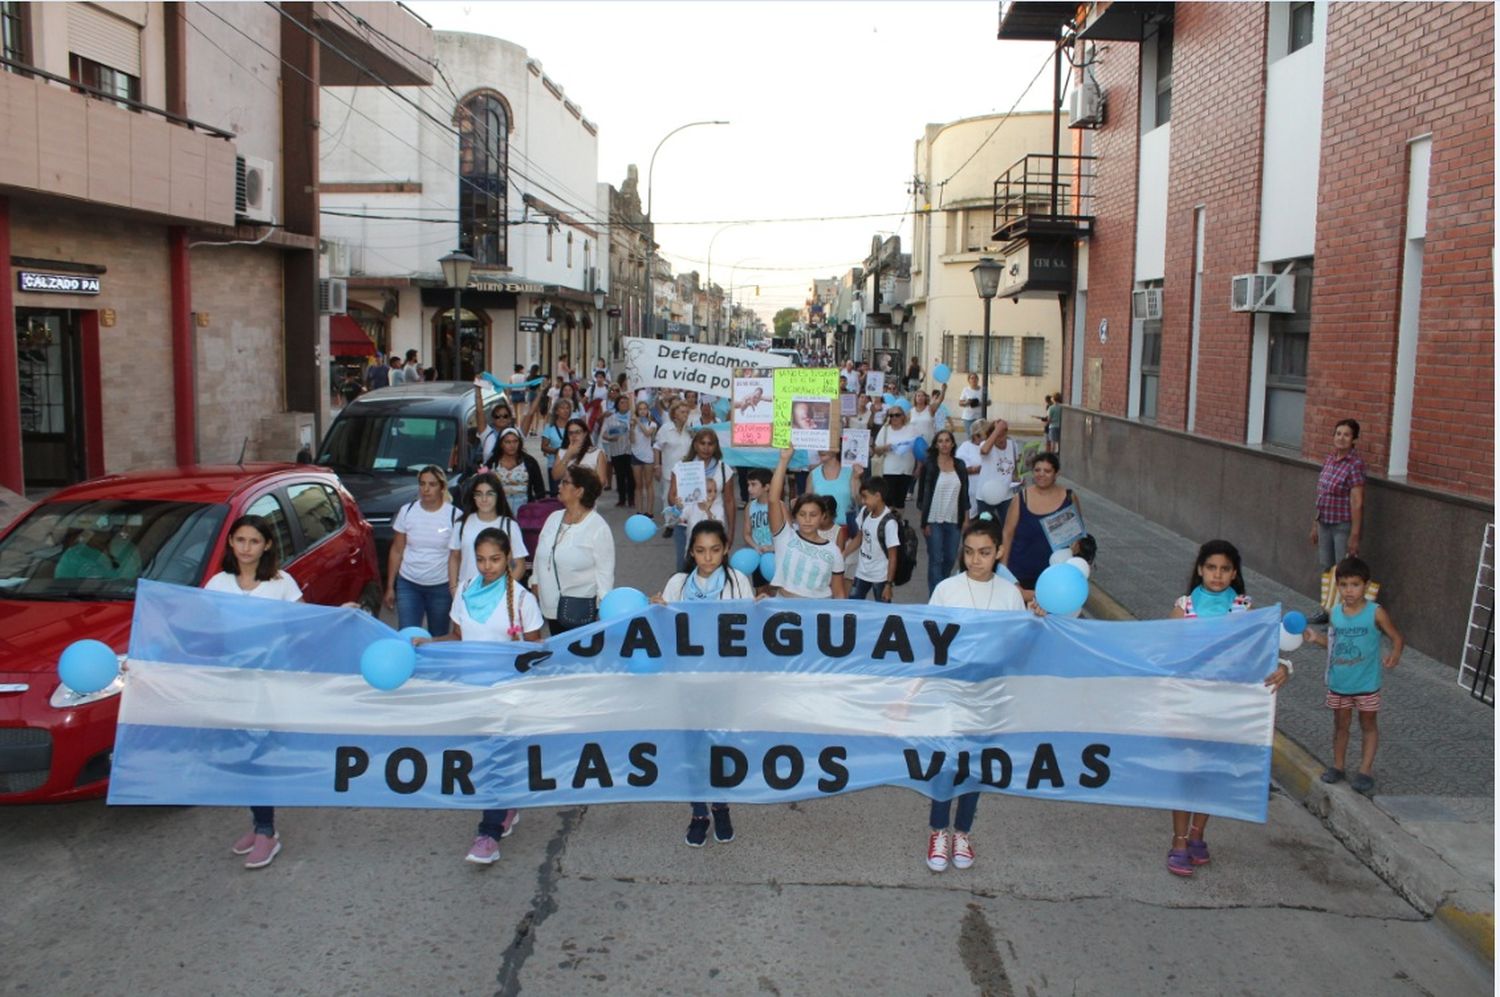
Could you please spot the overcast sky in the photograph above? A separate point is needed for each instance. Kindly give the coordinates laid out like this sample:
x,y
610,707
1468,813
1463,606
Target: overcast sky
x,y
824,100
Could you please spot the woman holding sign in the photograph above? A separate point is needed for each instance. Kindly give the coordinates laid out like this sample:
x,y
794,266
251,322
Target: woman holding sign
x,y
807,566
717,503
1027,549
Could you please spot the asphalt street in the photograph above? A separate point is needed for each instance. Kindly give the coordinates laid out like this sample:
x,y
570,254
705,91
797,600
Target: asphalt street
x,y
830,897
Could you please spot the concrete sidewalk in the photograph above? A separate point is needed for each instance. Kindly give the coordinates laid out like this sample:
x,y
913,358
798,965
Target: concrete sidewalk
x,y
1428,830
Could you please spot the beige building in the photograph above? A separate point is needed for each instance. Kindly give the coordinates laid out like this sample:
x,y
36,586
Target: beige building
x,y
951,233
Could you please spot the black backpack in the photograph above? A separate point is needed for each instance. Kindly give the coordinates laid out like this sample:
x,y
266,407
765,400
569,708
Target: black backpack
x,y
906,559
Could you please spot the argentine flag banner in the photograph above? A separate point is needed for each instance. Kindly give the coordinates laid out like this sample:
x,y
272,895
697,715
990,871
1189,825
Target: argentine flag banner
x,y
238,701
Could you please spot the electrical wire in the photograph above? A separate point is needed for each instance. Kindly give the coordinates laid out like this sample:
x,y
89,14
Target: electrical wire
x,y
1006,116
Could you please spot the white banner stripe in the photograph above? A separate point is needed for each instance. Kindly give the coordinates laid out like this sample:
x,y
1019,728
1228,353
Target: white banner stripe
x,y
161,694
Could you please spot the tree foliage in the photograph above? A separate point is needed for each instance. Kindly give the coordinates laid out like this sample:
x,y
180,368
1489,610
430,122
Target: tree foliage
x,y
782,321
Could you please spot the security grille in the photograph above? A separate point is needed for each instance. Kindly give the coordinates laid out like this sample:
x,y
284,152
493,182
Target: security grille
x,y
1476,672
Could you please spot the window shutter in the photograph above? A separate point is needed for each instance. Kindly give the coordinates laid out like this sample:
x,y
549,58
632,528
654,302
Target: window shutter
x,y
104,38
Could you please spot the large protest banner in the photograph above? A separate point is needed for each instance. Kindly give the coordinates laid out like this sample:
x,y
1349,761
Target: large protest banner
x,y
659,363
239,701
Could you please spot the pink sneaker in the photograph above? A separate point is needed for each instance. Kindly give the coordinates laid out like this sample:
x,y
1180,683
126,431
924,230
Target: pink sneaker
x,y
512,818
262,851
244,843
484,851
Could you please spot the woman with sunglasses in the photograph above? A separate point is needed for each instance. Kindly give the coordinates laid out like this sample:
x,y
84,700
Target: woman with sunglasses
x,y
574,566
485,508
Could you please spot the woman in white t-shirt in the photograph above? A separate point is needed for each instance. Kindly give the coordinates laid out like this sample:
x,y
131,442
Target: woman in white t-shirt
x,y
250,566
970,400
896,443
643,457
417,572
719,477
978,588
484,507
493,606
808,566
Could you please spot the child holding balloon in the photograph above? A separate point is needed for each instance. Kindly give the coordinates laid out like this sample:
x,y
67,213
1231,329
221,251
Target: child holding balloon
x,y
251,566
492,606
1215,588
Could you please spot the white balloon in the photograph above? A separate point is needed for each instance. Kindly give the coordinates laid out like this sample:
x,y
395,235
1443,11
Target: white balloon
x,y
1061,557
1082,565
993,492
1290,641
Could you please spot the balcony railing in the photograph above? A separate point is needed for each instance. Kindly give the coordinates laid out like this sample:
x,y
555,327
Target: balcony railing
x,y
25,69
1043,194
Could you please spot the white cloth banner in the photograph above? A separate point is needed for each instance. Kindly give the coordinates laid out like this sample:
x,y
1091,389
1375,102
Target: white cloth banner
x,y
708,370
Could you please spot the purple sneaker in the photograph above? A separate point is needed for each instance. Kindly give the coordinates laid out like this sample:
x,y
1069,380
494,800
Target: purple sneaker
x,y
1198,852
484,851
1178,862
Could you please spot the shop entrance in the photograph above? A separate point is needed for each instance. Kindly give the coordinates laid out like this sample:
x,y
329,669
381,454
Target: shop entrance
x,y
49,367
473,354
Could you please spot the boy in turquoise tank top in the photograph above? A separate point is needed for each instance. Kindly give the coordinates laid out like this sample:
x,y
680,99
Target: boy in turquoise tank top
x,y
1355,668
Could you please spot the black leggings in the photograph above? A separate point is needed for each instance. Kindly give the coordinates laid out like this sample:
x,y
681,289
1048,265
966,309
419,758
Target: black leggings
x,y
624,478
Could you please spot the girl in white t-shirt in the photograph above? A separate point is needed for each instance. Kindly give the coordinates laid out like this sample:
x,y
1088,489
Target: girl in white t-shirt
x,y
417,573
707,575
808,566
250,566
493,606
978,588
485,507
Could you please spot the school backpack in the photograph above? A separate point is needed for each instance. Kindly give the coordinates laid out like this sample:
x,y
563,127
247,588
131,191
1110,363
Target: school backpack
x,y
906,558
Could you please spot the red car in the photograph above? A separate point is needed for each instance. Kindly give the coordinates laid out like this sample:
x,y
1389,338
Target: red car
x,y
68,570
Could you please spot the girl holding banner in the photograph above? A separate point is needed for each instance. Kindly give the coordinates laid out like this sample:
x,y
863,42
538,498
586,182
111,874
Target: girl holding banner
x,y
250,566
707,575
807,566
492,607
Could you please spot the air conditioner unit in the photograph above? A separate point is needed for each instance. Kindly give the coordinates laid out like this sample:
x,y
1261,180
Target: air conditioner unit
x,y
1086,106
337,251
1145,304
254,189
1262,292
333,296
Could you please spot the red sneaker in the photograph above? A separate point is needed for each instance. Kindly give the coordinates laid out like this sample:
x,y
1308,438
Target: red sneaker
x,y
937,851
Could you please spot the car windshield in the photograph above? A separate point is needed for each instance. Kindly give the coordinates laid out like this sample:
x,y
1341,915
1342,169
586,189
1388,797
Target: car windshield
x,y
395,443
99,549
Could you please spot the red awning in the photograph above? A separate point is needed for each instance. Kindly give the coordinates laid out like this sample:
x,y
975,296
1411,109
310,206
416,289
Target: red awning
x,y
347,339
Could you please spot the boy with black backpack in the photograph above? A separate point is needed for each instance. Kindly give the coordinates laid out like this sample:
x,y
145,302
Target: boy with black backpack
x,y
880,537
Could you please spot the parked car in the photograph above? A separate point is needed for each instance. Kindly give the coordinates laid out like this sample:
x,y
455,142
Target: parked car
x,y
68,570
792,355
384,437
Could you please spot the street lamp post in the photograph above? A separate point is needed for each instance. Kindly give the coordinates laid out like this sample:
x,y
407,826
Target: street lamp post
x,y
456,266
987,281
650,177
599,299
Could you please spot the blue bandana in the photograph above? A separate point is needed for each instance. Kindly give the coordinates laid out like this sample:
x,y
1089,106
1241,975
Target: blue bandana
x,y
481,599
1206,603
699,588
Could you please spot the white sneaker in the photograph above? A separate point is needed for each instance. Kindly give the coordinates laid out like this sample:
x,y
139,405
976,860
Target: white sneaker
x,y
937,851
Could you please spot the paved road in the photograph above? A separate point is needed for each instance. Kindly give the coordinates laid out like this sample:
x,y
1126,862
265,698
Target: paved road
x,y
828,898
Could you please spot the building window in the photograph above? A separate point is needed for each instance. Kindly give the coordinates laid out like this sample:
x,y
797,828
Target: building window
x,y
1033,356
483,152
13,18
948,350
1005,361
551,231
111,81
1299,27
1001,352
1150,361
1286,361
570,250
1163,83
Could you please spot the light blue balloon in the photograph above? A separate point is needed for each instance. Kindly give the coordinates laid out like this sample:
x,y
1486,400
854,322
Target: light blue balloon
x,y
1294,622
412,633
890,399
721,408
941,373
640,528
768,565
387,663
745,560
902,404
622,602
1062,590
87,666
919,448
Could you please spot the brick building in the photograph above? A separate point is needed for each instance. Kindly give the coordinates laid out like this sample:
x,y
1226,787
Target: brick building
x,y
1292,222
159,216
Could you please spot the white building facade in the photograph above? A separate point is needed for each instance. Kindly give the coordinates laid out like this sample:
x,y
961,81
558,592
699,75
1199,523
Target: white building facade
x,y
494,160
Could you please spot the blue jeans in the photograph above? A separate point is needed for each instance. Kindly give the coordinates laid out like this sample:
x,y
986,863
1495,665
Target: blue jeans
x,y
516,501
967,804
942,553
492,823
679,545
264,819
1333,543
863,588
701,809
413,601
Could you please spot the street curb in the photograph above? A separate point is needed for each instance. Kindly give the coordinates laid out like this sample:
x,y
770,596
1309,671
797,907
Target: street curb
x,y
1413,870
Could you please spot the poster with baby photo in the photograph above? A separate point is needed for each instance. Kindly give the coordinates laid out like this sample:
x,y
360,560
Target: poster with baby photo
x,y
856,448
875,383
751,407
804,405
812,419
692,483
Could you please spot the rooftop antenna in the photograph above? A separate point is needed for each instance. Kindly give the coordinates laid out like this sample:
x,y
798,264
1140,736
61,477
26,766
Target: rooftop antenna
x,y
243,447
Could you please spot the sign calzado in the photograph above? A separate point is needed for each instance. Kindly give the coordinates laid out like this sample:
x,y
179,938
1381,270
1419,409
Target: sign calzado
x,y
56,283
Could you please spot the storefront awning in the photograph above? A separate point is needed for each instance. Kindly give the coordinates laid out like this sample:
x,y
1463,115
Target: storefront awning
x,y
347,339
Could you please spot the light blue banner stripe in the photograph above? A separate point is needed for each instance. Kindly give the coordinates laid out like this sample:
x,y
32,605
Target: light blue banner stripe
x,y
293,769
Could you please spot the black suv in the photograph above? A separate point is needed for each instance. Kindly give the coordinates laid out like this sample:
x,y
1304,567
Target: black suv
x,y
383,438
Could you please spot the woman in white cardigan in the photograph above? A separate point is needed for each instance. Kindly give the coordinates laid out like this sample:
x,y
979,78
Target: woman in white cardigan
x,y
574,565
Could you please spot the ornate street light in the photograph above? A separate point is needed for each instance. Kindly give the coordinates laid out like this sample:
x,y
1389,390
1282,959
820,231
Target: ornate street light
x,y
456,266
987,282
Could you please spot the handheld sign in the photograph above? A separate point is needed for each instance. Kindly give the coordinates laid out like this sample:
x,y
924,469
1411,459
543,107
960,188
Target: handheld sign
x,y
803,408
752,407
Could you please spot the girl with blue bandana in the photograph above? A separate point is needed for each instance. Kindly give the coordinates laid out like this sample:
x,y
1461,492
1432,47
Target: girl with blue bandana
x,y
1213,589
493,607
